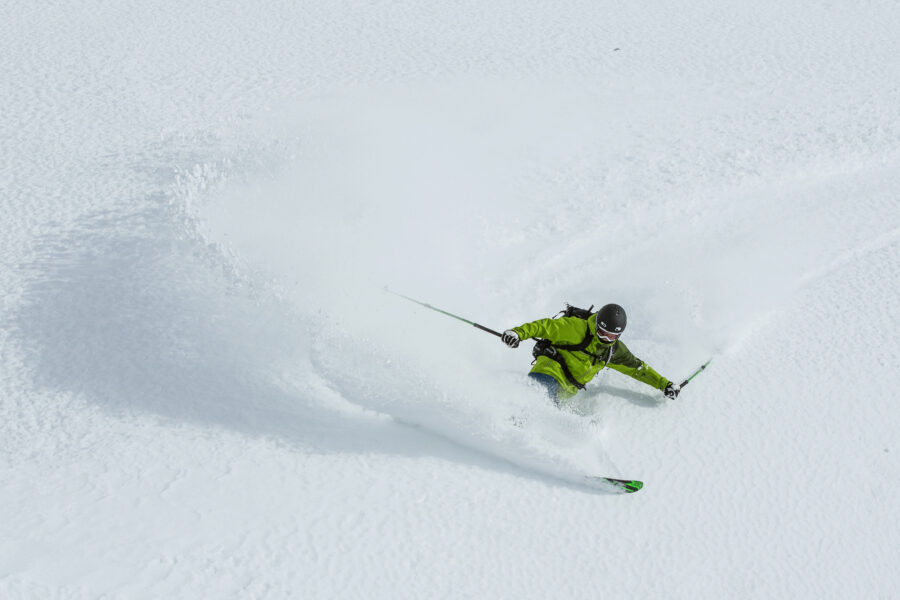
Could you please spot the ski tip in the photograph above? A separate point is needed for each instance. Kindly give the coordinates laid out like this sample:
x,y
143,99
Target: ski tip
x,y
626,486
629,487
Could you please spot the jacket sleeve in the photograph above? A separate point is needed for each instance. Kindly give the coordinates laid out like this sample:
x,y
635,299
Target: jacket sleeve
x,y
625,362
567,330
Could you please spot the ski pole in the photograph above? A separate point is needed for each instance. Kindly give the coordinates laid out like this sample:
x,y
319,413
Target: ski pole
x,y
697,372
481,327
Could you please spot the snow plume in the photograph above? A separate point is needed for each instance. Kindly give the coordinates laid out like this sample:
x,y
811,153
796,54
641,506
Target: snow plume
x,y
376,189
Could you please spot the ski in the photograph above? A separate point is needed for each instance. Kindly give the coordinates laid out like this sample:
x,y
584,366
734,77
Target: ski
x,y
627,486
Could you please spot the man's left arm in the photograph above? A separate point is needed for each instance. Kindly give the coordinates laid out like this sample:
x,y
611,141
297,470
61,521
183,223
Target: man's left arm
x,y
625,362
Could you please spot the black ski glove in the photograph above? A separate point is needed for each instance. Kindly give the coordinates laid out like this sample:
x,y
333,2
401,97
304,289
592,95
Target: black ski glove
x,y
510,338
672,390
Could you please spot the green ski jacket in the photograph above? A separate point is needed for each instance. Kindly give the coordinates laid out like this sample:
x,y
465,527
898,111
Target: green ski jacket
x,y
582,365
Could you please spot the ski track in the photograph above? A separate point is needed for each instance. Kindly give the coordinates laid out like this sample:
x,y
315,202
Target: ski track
x,y
205,393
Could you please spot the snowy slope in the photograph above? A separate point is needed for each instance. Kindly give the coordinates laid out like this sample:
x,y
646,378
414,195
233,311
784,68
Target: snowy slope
x,y
205,391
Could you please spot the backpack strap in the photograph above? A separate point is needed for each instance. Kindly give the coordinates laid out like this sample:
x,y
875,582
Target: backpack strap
x,y
580,346
547,348
550,350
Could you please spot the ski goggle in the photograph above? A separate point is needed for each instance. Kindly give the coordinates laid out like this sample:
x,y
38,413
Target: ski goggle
x,y
609,336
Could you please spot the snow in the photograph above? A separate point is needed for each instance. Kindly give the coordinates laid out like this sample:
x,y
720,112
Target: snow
x,y
206,392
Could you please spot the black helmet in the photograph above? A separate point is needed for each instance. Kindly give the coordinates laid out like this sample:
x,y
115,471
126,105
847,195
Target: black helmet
x,y
611,322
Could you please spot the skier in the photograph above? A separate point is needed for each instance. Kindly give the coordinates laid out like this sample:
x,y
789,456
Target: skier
x,y
571,350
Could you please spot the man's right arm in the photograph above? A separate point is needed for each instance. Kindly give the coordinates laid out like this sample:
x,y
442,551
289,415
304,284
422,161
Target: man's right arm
x,y
567,330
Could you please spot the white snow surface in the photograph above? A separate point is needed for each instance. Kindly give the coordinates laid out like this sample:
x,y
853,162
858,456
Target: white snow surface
x,y
205,391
